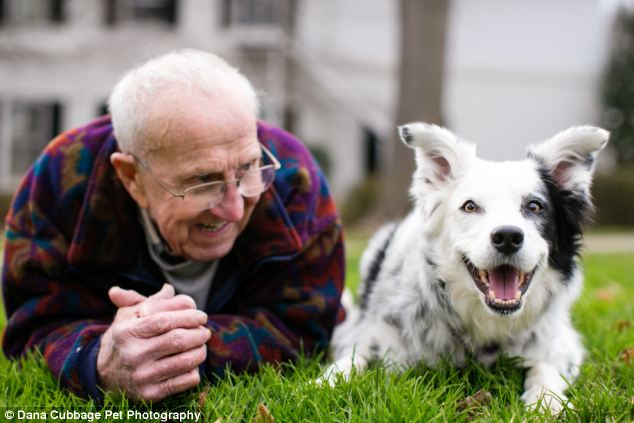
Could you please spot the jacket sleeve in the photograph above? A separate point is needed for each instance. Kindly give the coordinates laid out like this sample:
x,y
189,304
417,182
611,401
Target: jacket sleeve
x,y
290,305
46,309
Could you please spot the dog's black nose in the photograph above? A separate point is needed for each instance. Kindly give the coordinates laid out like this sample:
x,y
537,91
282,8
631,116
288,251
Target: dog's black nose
x,y
507,239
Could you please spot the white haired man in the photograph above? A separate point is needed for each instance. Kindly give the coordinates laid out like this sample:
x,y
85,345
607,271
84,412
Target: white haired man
x,y
173,239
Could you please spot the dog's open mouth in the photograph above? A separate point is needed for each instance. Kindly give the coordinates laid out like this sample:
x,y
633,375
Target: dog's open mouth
x,y
502,286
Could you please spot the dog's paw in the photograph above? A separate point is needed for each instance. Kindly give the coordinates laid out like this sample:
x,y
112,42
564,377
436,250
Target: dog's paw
x,y
331,375
538,399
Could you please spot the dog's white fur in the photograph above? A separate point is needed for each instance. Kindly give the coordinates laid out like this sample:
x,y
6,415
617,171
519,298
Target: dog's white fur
x,y
420,301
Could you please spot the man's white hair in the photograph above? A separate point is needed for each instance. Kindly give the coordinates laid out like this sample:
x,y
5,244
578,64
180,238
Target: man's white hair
x,y
198,71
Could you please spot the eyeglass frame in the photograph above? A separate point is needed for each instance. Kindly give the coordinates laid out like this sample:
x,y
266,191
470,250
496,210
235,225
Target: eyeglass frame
x,y
275,165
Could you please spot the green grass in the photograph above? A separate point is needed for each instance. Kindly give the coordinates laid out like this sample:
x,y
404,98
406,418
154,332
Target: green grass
x,y
604,391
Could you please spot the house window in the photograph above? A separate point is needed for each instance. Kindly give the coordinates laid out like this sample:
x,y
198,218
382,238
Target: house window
x,y
102,108
148,11
32,11
249,12
371,151
34,124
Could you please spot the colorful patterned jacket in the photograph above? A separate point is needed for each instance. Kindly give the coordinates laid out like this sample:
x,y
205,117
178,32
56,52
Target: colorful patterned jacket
x,y
73,232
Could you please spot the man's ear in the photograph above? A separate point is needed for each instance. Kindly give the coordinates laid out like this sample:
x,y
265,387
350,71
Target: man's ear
x,y
127,172
570,156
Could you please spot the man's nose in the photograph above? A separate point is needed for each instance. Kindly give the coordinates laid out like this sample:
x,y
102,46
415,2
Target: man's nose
x,y
231,207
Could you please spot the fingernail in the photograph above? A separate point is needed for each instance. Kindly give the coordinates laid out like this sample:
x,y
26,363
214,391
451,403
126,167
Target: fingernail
x,y
142,311
202,316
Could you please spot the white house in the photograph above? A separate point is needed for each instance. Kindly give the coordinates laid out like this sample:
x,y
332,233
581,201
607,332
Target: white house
x,y
59,59
516,71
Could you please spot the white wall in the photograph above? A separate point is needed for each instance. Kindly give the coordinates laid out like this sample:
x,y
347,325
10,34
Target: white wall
x,y
519,71
357,44
320,121
346,79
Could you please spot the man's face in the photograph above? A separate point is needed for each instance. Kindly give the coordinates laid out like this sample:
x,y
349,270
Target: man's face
x,y
197,139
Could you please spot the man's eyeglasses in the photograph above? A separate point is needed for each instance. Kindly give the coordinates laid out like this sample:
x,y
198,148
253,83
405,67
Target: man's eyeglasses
x,y
209,194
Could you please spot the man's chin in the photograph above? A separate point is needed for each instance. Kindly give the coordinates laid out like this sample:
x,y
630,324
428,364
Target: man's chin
x,y
208,253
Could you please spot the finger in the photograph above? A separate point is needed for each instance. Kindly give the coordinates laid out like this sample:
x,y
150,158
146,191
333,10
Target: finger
x,y
177,341
172,366
154,305
165,321
166,291
124,297
172,386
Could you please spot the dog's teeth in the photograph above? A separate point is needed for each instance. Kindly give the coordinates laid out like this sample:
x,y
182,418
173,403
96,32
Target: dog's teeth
x,y
518,295
483,276
492,294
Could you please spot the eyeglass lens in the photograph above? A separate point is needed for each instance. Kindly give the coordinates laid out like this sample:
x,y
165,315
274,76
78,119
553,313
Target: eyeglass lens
x,y
249,185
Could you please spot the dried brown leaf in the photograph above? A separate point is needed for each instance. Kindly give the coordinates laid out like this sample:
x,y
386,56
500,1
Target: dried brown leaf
x,y
202,397
622,325
479,399
263,415
627,355
605,294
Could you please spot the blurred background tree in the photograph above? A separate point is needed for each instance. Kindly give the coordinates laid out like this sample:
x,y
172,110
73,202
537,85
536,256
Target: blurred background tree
x,y
423,25
618,88
614,191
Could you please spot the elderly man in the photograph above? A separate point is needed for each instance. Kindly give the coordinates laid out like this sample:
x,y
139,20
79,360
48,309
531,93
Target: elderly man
x,y
175,239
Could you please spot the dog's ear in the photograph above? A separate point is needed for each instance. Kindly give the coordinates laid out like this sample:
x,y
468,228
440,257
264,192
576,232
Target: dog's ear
x,y
570,156
440,155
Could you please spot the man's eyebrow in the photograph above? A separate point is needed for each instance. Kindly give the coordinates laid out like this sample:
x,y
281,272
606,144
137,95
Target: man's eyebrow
x,y
192,173
201,171
251,160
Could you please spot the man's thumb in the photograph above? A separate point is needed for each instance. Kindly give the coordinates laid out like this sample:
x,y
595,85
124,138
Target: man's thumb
x,y
124,297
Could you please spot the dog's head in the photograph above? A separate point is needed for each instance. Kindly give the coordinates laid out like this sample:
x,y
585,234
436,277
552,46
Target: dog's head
x,y
504,231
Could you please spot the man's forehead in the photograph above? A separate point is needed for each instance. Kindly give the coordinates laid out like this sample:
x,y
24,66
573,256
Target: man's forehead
x,y
231,138
195,118
199,156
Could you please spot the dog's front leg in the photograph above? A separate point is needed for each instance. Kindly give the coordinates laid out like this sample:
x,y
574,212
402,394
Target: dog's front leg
x,y
375,341
544,386
552,366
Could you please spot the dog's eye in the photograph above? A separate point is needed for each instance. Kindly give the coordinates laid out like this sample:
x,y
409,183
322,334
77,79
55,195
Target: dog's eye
x,y
535,207
470,207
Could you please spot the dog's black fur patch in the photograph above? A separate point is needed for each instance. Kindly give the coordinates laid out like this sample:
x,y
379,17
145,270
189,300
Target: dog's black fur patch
x,y
394,320
490,349
406,135
375,350
375,268
566,214
441,294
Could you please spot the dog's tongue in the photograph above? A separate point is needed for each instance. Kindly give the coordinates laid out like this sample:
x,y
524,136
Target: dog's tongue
x,y
504,281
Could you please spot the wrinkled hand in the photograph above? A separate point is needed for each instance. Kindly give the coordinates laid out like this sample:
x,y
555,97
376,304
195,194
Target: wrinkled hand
x,y
154,345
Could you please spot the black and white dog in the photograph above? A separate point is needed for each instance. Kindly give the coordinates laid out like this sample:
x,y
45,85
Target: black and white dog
x,y
485,264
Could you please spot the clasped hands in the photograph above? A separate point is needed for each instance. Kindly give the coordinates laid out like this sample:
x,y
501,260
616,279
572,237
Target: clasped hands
x,y
154,345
